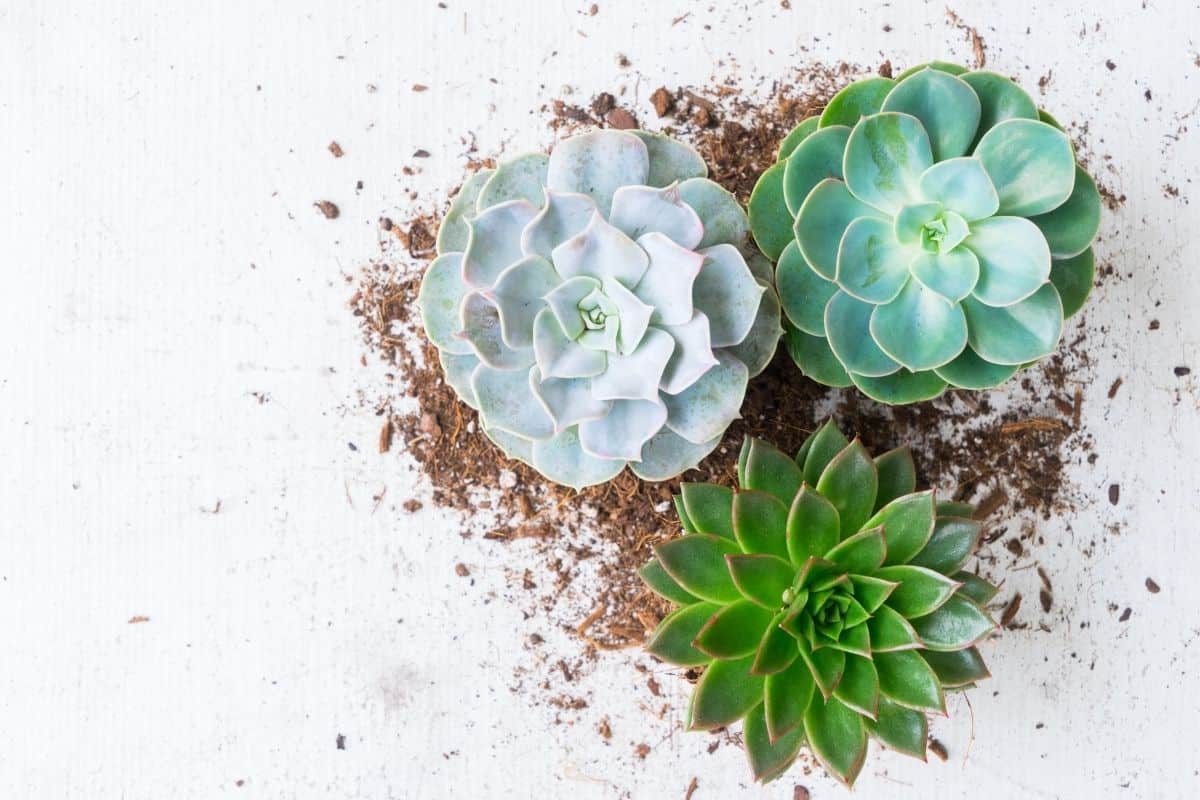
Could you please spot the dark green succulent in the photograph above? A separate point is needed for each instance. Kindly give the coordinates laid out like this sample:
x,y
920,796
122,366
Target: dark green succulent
x,y
825,600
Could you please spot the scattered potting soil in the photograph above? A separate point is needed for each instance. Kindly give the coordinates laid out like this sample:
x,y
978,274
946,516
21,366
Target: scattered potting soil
x,y
1006,450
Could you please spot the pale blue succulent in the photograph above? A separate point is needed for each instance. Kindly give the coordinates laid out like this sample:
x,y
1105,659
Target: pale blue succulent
x,y
596,308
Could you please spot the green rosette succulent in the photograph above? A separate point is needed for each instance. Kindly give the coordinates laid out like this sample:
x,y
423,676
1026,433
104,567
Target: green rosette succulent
x,y
596,308
825,600
929,231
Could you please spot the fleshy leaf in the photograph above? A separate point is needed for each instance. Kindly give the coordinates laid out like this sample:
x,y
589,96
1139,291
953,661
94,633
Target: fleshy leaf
x,y
814,357
921,591
670,159
861,553
901,387
848,327
891,632
906,679
813,526
856,101
724,219
621,432
560,357
568,401
921,329
734,631
667,455
1016,334
511,445
859,688
494,243
999,99
672,639
697,563
908,523
667,283
453,235
563,217
976,587
956,624
597,164
662,584
947,108
776,651
953,541
562,460
818,157
520,178
769,470
1073,278
957,668
871,592
827,666
1070,228
681,511
954,508
837,737
726,693
636,376
1031,165
819,449
480,321
807,127
761,577
961,185
726,291
897,477
506,402
564,302
944,66
710,508
770,221
824,217
706,408
518,297
600,251
692,356
638,210
786,696
760,344
850,483
769,757
852,641
969,371
458,370
802,291
885,156
902,729
442,291
760,523
1014,259
871,264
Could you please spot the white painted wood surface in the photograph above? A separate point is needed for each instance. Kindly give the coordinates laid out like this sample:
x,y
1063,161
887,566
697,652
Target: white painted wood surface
x,y
164,263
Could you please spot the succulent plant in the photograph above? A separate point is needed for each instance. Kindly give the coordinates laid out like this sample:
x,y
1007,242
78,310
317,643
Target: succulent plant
x,y
825,600
930,231
596,308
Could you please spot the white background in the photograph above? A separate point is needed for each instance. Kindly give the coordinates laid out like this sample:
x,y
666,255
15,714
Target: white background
x,y
163,262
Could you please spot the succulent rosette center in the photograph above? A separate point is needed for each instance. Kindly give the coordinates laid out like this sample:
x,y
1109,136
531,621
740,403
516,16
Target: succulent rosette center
x,y
930,231
826,600
596,308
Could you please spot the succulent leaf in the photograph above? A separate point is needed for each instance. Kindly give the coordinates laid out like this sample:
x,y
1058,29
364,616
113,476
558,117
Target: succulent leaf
x,y
442,291
454,234
724,219
813,628
955,200
807,127
671,160
520,178
666,455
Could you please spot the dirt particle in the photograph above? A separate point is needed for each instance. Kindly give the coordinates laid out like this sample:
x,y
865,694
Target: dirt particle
x,y
1151,586
1154,324
1116,386
695,783
938,749
412,506
978,47
385,435
1114,493
137,619
421,153
800,793
642,750
336,149
604,729
1181,371
1110,64
1046,599
460,569
603,103
593,10
328,208
1010,611
341,741
420,87
1125,615
621,119
663,101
